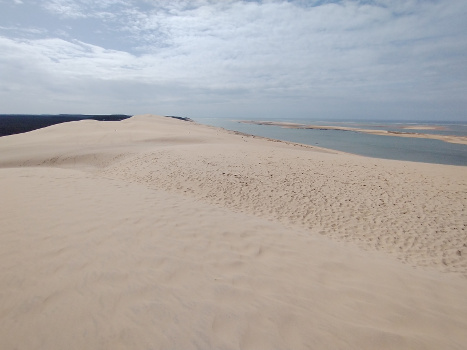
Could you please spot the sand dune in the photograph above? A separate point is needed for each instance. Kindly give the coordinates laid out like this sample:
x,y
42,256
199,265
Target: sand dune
x,y
154,233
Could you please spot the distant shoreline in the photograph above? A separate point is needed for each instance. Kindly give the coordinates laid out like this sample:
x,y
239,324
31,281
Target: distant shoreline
x,y
446,138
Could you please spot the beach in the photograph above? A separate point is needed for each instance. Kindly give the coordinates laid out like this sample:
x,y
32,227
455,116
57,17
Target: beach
x,y
157,233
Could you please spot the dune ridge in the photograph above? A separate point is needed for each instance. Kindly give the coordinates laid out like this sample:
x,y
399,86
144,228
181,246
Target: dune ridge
x,y
158,233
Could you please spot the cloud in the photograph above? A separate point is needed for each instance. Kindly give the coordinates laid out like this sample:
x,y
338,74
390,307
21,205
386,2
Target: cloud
x,y
74,9
305,55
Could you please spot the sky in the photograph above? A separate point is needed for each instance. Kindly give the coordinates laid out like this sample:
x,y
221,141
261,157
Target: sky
x,y
318,59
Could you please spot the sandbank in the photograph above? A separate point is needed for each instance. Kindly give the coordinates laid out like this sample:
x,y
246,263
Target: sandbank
x,y
446,138
423,127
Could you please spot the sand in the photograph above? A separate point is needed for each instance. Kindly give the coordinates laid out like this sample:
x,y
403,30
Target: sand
x,y
423,127
155,233
446,138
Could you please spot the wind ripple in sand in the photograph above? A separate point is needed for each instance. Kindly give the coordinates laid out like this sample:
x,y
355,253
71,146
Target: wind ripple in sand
x,y
421,218
93,263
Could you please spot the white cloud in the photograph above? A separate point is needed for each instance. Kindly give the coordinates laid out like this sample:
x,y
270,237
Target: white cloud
x,y
66,8
83,8
306,57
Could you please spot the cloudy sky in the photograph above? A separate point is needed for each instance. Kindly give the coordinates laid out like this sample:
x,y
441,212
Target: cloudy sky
x,y
373,59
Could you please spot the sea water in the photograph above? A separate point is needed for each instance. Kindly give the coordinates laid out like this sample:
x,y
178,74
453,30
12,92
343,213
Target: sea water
x,y
378,146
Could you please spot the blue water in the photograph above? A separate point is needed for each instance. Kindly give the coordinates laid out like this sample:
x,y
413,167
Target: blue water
x,y
377,146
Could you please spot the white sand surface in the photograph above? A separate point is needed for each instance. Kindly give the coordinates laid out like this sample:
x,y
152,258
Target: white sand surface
x,y
154,233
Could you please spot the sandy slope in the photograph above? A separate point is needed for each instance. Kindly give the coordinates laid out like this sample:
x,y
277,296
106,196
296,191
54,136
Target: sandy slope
x,y
153,233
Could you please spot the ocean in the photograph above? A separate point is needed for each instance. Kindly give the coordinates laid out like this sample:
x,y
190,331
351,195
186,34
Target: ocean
x,y
377,146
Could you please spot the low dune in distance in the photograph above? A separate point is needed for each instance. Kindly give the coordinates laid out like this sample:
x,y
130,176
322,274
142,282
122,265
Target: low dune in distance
x,y
155,233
